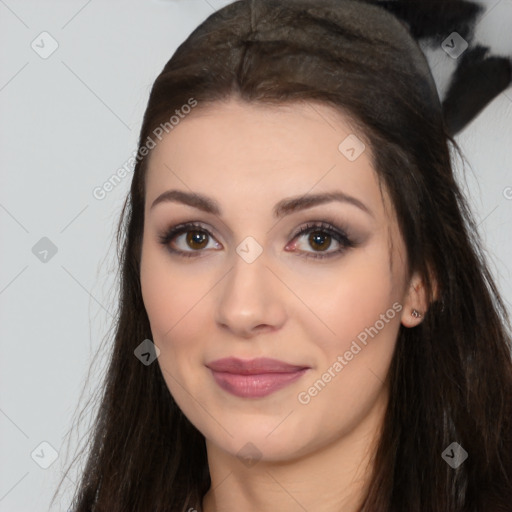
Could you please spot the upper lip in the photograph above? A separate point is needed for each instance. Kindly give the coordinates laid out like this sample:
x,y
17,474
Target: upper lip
x,y
253,366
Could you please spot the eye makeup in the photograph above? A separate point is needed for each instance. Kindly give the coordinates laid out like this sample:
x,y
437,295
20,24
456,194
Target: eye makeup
x,y
320,233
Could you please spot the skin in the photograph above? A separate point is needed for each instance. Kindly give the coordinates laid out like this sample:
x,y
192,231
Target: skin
x,y
305,311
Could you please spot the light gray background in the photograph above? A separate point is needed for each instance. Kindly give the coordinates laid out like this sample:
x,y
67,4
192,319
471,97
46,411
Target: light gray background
x,y
67,123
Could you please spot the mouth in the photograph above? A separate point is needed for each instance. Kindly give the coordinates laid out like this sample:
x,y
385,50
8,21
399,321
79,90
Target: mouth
x,y
255,378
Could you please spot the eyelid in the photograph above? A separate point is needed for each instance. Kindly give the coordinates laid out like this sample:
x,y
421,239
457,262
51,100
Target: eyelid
x,y
340,235
321,225
179,229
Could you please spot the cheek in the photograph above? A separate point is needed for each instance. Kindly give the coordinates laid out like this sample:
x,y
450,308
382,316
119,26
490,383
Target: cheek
x,y
352,323
175,299
342,303
168,290
168,297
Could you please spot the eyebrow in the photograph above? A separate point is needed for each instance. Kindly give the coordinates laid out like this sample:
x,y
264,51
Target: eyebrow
x,y
282,208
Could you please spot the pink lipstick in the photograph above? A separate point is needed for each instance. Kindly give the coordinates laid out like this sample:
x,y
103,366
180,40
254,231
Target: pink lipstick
x,y
254,378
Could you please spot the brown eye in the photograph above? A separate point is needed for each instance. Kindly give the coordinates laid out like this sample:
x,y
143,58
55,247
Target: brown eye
x,y
197,237
320,237
319,240
187,240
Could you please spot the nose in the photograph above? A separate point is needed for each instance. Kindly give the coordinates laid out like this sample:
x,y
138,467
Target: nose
x,y
251,299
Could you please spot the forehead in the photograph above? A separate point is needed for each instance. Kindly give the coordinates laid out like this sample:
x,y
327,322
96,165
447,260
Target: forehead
x,y
252,155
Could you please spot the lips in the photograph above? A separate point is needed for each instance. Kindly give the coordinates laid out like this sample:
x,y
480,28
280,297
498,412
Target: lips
x,y
254,378
253,366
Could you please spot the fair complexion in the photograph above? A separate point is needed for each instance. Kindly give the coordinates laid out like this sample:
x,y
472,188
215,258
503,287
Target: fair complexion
x,y
302,310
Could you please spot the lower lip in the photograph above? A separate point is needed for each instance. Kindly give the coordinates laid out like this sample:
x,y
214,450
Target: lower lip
x,y
255,386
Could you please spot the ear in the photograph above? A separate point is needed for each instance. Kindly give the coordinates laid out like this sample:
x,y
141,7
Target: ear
x,y
415,300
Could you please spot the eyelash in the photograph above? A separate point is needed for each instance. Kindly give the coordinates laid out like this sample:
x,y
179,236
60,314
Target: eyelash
x,y
337,234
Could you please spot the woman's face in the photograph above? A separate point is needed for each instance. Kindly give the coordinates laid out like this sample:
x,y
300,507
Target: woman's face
x,y
243,285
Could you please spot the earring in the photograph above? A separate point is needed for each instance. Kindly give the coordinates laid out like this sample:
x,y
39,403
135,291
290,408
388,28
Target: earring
x,y
416,314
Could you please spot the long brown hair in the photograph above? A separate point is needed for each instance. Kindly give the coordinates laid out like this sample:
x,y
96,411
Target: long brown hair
x,y
451,376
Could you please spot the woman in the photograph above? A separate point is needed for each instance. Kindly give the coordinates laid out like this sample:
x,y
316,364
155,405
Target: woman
x,y
293,200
